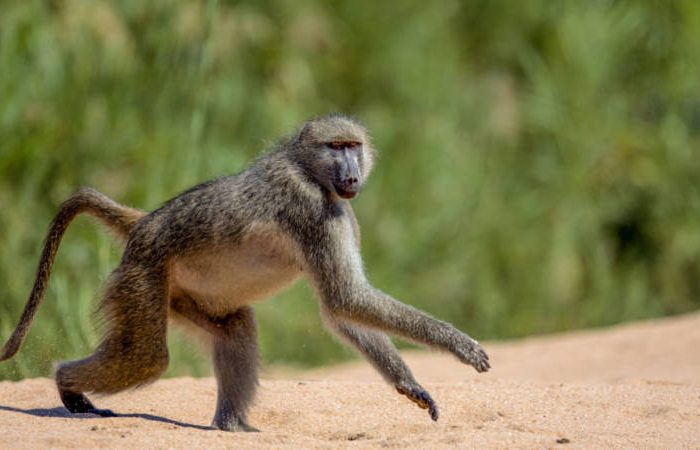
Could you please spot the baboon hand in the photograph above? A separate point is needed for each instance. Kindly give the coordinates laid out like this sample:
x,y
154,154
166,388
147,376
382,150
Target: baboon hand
x,y
420,397
470,352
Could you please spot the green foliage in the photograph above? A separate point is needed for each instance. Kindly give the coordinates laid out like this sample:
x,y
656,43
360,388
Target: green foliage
x,y
538,160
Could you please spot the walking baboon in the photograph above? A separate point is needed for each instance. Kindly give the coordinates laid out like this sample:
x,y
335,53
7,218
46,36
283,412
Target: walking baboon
x,y
210,252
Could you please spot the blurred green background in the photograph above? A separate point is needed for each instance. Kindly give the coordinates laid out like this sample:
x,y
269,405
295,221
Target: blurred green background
x,y
538,171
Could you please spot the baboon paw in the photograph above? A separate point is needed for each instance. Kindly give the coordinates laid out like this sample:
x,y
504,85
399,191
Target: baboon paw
x,y
420,397
234,426
473,354
78,403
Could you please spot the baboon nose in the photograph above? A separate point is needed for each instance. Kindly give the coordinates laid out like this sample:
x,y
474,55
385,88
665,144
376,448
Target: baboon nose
x,y
351,184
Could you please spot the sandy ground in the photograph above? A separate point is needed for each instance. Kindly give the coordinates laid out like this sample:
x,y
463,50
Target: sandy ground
x,y
631,386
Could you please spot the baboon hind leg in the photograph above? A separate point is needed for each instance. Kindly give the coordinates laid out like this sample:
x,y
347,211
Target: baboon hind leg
x,y
133,351
236,360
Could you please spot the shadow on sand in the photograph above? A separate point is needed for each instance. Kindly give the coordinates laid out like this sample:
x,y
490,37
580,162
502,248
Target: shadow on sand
x,y
62,412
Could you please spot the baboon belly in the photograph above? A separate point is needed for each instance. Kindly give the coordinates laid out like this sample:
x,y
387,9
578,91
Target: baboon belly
x,y
225,279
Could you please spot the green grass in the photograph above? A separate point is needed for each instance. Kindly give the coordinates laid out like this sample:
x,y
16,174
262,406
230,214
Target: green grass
x,y
538,160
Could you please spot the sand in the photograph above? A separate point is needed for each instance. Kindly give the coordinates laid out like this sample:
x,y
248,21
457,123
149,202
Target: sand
x,y
630,386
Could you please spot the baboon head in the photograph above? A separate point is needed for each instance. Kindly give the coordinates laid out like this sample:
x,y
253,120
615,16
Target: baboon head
x,y
337,154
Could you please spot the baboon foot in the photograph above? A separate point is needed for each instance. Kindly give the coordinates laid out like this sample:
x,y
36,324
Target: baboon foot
x,y
79,403
233,425
420,397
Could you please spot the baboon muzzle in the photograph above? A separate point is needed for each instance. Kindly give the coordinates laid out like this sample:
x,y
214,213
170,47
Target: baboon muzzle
x,y
348,176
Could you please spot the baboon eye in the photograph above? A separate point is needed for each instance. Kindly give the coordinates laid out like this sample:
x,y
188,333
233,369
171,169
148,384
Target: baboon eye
x,y
342,145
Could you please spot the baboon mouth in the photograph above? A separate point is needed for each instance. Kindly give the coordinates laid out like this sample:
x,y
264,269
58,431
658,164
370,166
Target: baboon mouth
x,y
345,193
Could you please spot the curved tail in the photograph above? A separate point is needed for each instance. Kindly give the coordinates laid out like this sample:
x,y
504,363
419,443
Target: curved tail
x,y
117,217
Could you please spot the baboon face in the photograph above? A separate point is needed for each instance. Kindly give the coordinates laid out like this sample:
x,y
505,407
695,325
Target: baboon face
x,y
338,153
346,176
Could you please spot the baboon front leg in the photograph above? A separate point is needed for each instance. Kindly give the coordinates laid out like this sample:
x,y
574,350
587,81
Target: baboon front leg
x,y
371,307
382,354
133,351
236,367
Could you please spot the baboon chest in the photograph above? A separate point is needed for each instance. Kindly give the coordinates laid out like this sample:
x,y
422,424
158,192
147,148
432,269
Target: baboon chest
x,y
224,278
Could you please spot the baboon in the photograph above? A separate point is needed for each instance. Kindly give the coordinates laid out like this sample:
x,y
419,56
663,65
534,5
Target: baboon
x,y
206,255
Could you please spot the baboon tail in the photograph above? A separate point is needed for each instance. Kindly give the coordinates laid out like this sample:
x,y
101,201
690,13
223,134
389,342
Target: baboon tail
x,y
119,218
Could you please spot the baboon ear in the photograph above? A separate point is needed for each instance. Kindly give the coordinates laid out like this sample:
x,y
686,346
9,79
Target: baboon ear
x,y
304,134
